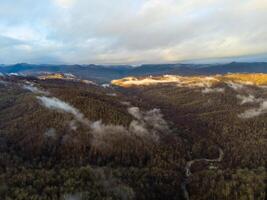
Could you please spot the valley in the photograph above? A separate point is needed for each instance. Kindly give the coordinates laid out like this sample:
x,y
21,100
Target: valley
x,y
155,137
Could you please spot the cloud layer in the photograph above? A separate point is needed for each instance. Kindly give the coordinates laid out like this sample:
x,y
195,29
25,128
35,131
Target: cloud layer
x,y
149,124
126,31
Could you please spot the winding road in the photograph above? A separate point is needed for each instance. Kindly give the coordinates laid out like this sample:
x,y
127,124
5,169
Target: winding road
x,y
188,172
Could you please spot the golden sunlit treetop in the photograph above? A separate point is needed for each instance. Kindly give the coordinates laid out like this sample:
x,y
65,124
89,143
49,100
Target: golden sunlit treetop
x,y
192,81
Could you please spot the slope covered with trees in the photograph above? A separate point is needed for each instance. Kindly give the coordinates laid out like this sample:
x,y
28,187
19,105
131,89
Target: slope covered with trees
x,y
49,153
230,114
69,139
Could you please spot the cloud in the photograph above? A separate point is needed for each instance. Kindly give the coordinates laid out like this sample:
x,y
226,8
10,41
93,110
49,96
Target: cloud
x,y
138,128
126,31
248,99
111,94
73,125
104,134
34,89
212,90
56,104
234,86
135,112
154,118
50,133
149,124
64,3
254,112
7,41
125,103
72,197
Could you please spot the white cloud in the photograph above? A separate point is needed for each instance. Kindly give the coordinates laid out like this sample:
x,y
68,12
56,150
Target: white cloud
x,y
148,124
34,89
51,133
135,112
248,99
254,112
24,47
64,3
57,104
20,33
234,86
211,90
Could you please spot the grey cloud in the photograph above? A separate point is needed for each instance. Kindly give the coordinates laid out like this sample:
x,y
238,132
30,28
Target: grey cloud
x,y
197,32
125,31
7,41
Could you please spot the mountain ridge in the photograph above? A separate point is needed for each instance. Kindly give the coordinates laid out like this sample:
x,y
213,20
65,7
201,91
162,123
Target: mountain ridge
x,y
106,73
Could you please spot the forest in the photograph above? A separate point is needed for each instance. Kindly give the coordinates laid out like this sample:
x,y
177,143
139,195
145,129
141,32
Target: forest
x,y
67,139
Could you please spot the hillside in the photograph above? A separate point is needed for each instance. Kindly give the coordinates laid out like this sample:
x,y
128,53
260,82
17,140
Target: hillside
x,y
193,81
223,111
156,137
61,138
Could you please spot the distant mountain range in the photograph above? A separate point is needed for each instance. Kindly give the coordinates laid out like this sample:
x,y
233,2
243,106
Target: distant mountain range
x,y
100,73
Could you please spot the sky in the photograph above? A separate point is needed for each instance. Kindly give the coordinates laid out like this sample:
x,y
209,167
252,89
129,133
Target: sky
x,y
132,31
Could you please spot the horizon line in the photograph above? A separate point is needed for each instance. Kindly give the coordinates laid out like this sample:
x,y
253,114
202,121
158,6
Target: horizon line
x,y
133,65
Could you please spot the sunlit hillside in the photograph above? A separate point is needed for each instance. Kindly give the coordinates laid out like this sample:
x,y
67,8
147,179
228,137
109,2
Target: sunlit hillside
x,y
57,76
193,81
253,79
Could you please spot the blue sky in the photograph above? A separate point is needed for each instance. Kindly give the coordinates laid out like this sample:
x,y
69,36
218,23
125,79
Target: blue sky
x,y
132,31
